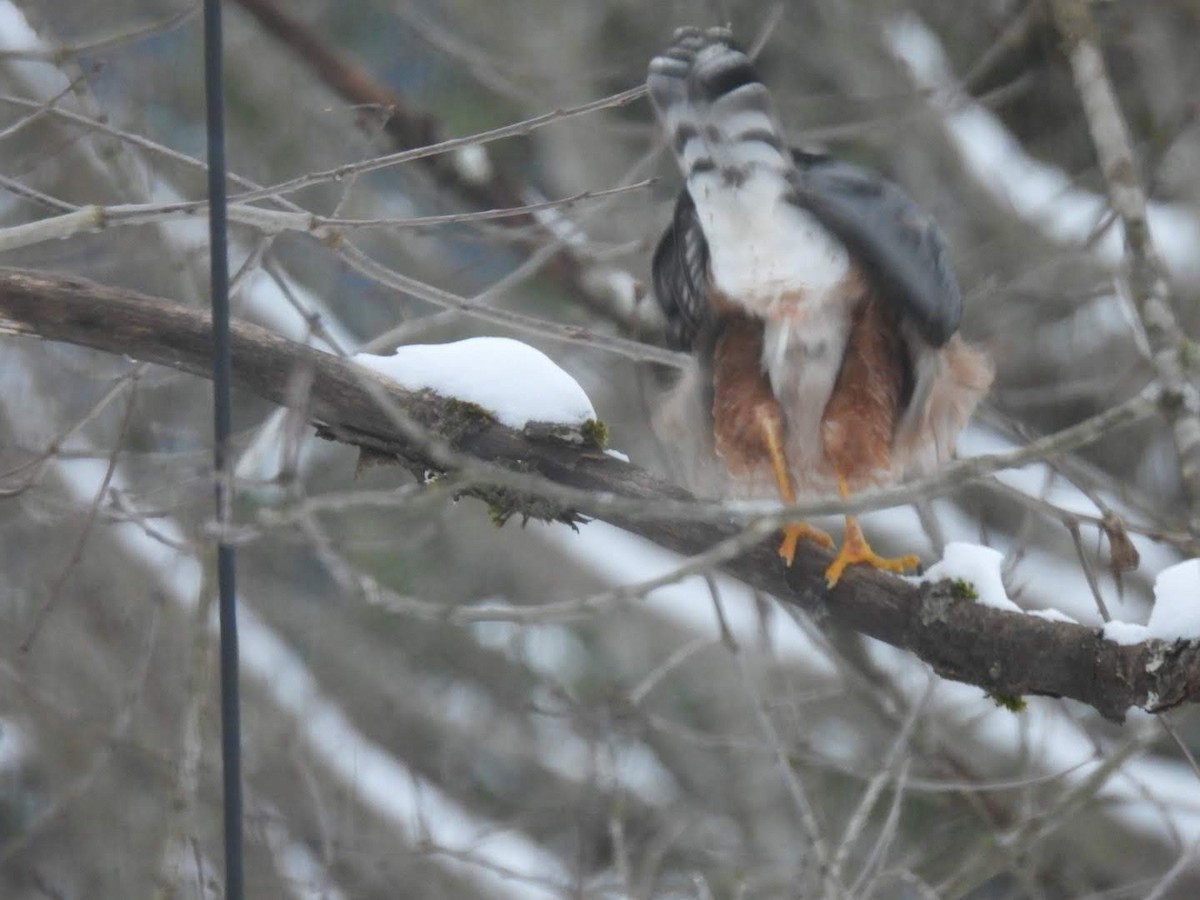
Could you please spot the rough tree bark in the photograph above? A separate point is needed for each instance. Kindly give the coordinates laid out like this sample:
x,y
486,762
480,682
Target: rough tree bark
x,y
1005,653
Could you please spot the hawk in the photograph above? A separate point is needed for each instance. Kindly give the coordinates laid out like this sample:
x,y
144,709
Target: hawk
x,y
817,299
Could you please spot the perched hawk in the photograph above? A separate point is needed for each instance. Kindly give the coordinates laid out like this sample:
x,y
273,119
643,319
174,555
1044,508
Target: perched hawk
x,y
817,298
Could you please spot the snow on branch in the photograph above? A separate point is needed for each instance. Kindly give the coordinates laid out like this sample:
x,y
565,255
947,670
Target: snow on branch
x,y
511,380
1006,653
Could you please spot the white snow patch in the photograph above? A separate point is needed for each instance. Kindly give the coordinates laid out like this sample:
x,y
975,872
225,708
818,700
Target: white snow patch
x,y
512,380
474,164
185,864
15,34
1176,612
1126,633
617,454
980,566
1050,578
299,868
1052,615
553,651
14,745
620,285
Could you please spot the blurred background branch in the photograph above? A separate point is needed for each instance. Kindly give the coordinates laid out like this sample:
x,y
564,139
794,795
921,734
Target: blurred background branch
x,y
1147,279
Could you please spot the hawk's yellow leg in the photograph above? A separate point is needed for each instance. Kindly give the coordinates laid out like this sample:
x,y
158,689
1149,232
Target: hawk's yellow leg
x,y
855,549
793,533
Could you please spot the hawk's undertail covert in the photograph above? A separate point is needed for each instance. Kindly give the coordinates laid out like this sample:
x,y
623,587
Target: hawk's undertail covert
x,y
817,298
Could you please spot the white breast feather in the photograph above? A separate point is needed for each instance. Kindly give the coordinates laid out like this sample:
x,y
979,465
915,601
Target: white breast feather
x,y
761,246
802,361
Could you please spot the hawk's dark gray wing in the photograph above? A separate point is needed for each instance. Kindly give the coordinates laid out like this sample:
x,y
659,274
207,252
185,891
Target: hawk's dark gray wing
x,y
901,250
680,274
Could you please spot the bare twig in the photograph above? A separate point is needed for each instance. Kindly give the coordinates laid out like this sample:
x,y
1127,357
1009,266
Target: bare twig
x,y
69,794
43,611
36,468
1173,874
887,833
516,129
893,765
830,879
267,221
668,665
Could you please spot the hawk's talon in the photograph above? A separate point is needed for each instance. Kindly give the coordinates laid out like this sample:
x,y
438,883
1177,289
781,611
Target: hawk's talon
x,y
795,532
855,549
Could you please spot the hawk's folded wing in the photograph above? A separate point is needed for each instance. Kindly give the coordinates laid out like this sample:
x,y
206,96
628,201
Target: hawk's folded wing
x,y
680,274
892,239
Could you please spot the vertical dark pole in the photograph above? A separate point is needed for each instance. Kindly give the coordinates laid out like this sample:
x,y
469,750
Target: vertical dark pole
x,y
231,743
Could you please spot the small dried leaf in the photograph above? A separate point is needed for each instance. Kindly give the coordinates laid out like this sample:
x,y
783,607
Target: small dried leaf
x,y
1124,555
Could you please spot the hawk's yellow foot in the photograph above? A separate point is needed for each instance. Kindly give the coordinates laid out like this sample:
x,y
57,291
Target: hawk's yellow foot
x,y
797,531
855,549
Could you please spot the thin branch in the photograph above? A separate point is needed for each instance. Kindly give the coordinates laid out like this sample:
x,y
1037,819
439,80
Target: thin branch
x,y
516,129
1033,830
89,519
1174,873
893,764
268,221
830,881
862,886
570,334
42,110
36,468
67,795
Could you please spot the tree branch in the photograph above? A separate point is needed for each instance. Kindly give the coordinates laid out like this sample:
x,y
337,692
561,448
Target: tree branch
x,y
1146,276
1001,652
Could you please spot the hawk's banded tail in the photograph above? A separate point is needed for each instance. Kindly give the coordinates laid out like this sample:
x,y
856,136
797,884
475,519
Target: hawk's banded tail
x,y
716,112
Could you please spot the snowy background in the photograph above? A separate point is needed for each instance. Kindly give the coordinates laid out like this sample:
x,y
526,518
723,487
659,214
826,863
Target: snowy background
x,y
635,751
